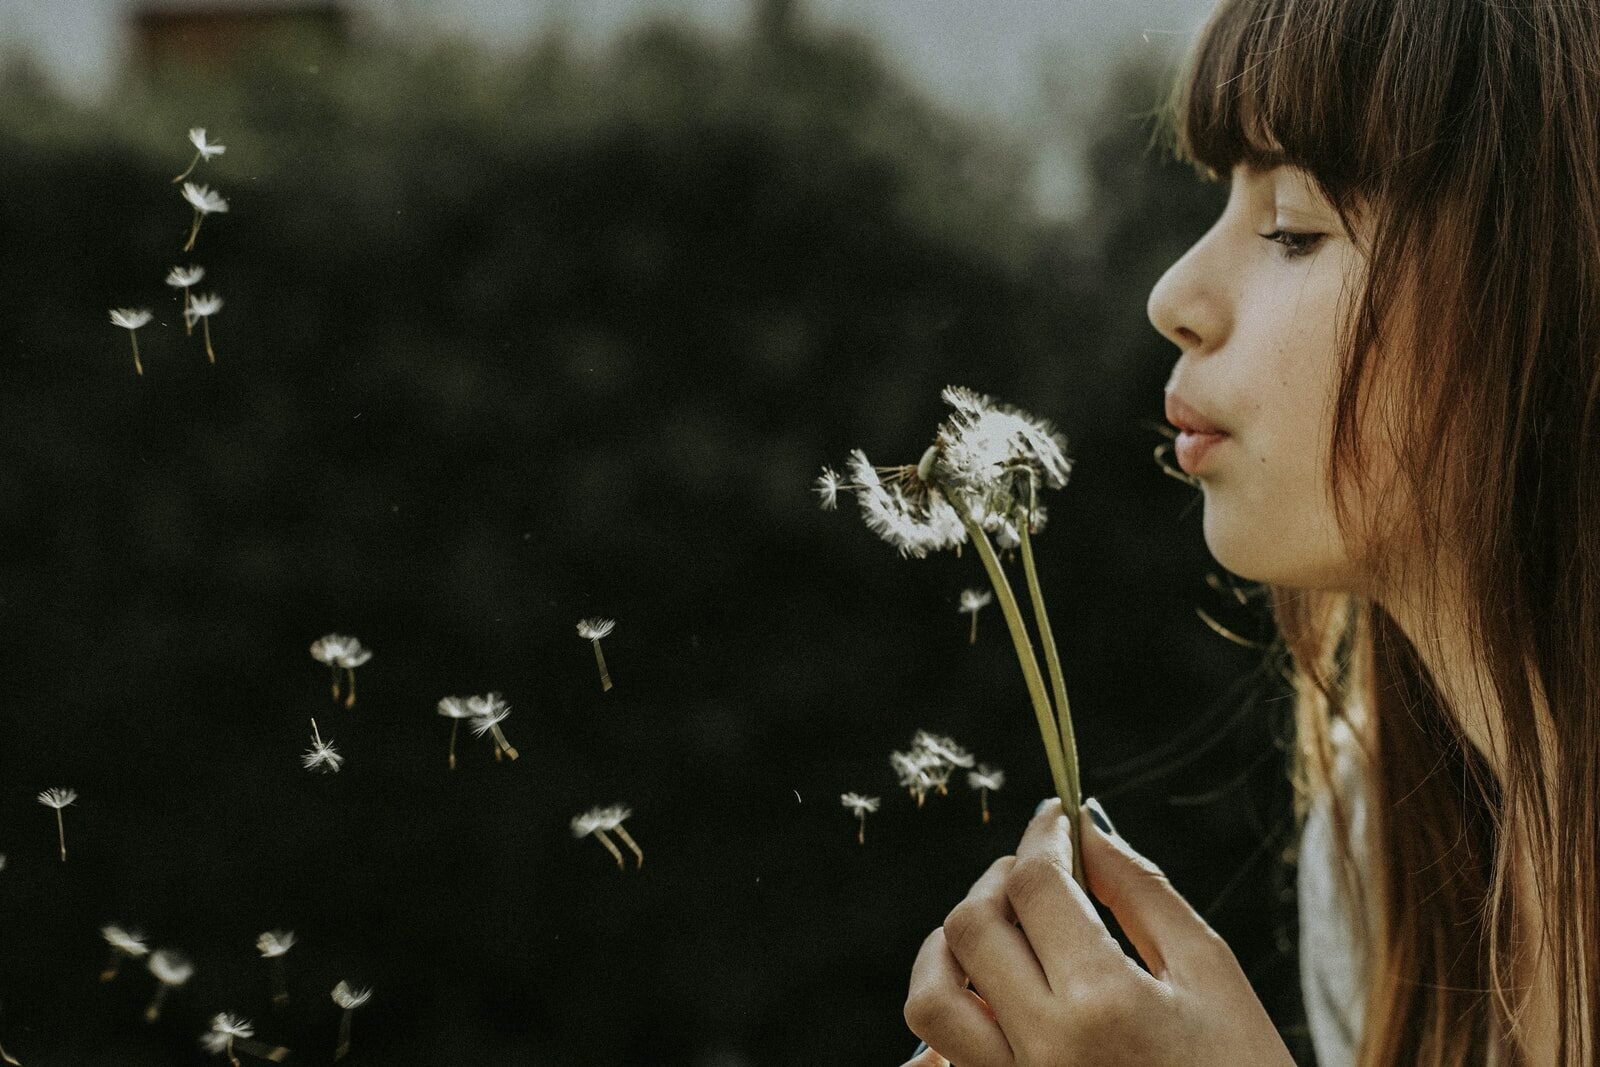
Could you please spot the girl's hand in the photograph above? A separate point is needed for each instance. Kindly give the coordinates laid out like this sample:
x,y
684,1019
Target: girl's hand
x,y
1051,987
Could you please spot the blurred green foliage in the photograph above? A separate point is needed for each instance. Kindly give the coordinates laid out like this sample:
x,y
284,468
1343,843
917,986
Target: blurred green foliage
x,y
514,339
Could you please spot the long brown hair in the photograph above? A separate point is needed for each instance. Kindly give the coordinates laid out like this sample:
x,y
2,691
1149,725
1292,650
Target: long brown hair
x,y
1465,136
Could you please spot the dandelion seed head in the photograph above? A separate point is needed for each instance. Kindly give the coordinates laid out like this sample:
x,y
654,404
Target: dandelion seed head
x,y
593,629
911,768
275,943
905,510
169,967
455,708
203,306
330,648
183,277
487,711
353,654
585,824
207,149
603,817
348,998
942,749
986,777
859,805
827,488
58,798
127,942
322,756
984,441
975,600
227,1024
203,199
130,318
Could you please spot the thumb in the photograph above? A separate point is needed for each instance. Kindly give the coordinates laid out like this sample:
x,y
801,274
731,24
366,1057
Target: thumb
x,y
1168,934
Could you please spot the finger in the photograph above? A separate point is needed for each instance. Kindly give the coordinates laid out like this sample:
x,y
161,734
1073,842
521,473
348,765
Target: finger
x,y
1168,933
926,1057
942,1011
1058,918
982,934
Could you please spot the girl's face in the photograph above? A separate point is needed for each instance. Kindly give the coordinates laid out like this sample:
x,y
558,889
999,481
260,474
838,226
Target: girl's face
x,y
1257,320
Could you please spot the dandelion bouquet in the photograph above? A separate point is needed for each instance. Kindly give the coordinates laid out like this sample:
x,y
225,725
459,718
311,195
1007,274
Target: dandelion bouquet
x,y
981,477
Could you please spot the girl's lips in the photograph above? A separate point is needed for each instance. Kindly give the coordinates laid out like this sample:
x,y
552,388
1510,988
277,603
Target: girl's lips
x,y
1193,448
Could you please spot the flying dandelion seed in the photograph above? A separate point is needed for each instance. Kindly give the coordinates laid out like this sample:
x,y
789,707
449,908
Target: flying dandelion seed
x,y
488,712
125,945
456,709
598,820
348,999
351,657
985,779
203,149
274,945
972,602
592,630
859,806
943,750
205,202
171,969
183,278
827,488
200,309
58,799
981,477
226,1027
321,756
911,771
131,319
341,652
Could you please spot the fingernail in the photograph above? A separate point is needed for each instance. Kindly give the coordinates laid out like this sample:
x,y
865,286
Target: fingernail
x,y
1046,803
1101,819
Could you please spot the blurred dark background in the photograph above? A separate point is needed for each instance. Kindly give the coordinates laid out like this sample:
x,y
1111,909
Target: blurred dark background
x,y
519,337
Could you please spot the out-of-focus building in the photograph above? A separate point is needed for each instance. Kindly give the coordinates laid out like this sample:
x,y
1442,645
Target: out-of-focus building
x,y
201,33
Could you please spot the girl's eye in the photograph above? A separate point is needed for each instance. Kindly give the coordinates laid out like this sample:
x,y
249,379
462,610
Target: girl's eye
x,y
1294,244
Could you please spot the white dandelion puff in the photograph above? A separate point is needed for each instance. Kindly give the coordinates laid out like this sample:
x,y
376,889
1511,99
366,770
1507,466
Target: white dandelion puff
x,y
58,799
131,319
912,771
985,779
200,310
203,150
341,652
171,969
183,278
972,602
901,505
827,488
349,999
598,820
592,630
455,709
859,806
488,712
944,749
274,945
205,202
321,756
226,1027
125,945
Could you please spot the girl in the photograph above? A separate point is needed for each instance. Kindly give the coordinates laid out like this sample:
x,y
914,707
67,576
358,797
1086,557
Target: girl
x,y
1394,328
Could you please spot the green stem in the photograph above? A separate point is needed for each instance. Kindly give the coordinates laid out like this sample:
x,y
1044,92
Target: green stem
x,y
1019,638
1073,798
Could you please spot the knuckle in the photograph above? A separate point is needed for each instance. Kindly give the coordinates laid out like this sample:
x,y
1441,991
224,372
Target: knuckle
x,y
961,927
1033,875
923,1012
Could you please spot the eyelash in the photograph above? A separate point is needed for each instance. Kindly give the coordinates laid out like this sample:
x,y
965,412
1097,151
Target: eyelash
x,y
1295,245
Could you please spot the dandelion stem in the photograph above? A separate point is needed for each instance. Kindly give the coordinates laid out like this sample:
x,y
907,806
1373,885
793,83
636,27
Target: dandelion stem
x,y
861,831
600,661
1073,798
280,984
344,1036
974,638
334,672
193,163
983,799
1030,665
501,742
61,834
455,725
138,368
205,327
113,966
350,690
600,835
627,839
194,231
153,1012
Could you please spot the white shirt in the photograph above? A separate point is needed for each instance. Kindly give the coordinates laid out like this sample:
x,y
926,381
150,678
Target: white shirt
x,y
1332,961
